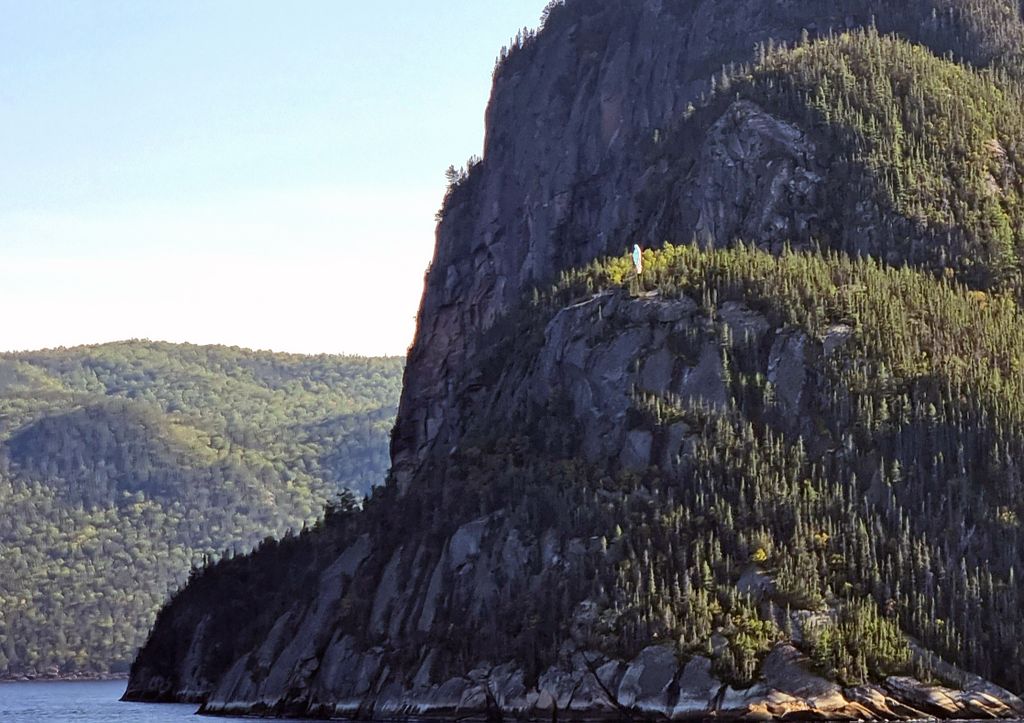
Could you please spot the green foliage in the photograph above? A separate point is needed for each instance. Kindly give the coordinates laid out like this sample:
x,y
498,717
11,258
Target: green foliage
x,y
914,490
919,157
122,466
906,326
860,645
935,141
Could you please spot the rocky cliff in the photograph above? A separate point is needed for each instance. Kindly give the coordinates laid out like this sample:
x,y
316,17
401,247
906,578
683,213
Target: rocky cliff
x,y
734,487
442,617
567,175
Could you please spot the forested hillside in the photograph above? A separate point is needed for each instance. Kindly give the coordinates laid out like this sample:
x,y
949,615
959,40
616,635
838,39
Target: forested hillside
x,y
123,466
903,488
929,149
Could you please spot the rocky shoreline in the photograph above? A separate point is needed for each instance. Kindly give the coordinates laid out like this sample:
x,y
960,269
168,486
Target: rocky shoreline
x,y
653,686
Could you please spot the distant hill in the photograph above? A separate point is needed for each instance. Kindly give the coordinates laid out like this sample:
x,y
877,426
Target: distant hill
x,y
124,465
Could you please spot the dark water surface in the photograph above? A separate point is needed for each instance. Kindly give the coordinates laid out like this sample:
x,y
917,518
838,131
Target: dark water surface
x,y
84,702
87,702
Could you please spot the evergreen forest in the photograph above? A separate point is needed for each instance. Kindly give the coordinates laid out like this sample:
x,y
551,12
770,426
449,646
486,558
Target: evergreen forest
x,y
124,466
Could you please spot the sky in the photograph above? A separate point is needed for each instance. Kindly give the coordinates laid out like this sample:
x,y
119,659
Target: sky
x,y
244,172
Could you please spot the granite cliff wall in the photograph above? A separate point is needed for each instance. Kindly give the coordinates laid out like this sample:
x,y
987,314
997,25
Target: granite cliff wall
x,y
568,174
564,176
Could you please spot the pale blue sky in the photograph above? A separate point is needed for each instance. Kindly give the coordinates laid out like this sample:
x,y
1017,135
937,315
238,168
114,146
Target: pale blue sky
x,y
233,171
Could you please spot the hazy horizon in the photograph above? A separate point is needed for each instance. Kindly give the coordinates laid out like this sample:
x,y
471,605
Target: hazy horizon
x,y
239,173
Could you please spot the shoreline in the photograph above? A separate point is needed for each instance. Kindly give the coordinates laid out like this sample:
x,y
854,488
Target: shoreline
x,y
82,678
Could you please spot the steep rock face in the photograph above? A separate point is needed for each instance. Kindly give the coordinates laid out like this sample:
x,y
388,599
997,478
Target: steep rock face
x,y
758,178
598,354
567,172
563,173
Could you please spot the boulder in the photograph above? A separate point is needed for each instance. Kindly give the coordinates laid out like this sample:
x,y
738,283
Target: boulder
x,y
647,679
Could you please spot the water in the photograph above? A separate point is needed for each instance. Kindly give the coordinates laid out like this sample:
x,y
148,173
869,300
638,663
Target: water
x,y
84,702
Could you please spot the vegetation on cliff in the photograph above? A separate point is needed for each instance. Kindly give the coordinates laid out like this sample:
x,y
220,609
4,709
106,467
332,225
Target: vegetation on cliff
x,y
122,466
936,142
900,513
919,436
914,158
875,498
